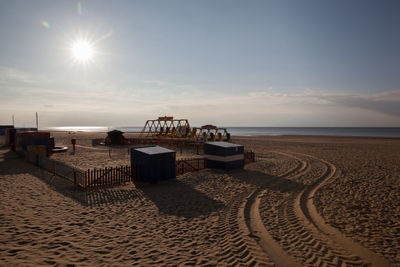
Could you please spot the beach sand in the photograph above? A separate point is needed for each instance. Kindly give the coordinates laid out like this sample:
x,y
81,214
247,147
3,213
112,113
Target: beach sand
x,y
306,201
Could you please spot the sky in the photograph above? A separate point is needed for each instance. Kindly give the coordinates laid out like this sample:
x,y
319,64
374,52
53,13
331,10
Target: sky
x,y
226,62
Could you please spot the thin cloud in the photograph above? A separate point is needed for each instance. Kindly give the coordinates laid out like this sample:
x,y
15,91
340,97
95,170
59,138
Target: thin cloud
x,y
23,92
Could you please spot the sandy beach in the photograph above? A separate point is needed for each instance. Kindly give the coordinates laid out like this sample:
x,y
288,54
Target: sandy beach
x,y
306,201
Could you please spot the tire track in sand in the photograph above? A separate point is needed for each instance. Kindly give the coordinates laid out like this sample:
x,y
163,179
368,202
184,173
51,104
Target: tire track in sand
x,y
256,233
239,245
306,237
254,224
306,210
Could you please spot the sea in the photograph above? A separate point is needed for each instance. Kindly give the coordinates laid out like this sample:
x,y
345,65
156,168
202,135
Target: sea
x,y
259,131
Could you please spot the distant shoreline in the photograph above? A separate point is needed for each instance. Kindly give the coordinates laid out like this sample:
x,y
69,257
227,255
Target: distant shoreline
x,y
386,132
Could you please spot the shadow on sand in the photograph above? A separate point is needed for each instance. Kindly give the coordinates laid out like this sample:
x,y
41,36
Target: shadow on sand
x,y
7,158
172,197
175,197
12,164
265,181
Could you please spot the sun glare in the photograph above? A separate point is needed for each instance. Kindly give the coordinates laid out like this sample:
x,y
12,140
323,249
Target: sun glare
x,y
82,51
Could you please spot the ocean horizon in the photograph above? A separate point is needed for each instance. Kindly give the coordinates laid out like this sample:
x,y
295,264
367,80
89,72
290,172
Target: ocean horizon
x,y
260,131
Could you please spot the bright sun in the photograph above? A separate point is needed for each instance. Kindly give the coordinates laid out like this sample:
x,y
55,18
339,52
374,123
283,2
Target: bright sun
x,y
82,51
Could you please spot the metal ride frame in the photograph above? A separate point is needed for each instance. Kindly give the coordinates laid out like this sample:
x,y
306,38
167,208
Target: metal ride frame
x,y
209,133
166,127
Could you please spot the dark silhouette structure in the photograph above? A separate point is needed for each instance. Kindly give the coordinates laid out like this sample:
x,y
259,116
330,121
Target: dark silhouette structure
x,y
115,137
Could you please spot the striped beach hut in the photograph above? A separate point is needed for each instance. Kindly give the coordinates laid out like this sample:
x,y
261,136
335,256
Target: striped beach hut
x,y
224,155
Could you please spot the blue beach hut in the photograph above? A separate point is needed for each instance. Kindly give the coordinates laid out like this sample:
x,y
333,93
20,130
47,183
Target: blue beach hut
x,y
224,155
153,163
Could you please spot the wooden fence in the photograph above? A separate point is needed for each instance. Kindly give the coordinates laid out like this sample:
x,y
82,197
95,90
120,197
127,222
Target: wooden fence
x,y
189,165
72,174
107,177
120,175
110,176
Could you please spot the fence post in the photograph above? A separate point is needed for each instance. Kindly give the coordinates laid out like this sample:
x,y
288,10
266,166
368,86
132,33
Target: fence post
x,y
91,179
128,173
107,176
114,170
86,179
95,176
75,178
118,174
104,177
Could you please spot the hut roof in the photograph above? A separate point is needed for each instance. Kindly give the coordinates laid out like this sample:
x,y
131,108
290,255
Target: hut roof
x,y
223,144
151,150
115,132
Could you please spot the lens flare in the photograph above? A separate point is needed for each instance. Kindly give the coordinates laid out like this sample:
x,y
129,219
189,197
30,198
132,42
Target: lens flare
x,y
45,24
79,8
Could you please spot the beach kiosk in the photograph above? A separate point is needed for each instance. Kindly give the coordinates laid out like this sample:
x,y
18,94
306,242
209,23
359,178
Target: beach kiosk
x,y
37,142
3,129
115,137
224,155
153,163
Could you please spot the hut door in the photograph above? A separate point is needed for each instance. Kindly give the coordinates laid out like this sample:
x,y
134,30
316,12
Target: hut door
x,y
164,166
155,174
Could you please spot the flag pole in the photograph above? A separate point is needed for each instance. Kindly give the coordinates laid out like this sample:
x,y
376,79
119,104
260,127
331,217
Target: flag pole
x,y
37,122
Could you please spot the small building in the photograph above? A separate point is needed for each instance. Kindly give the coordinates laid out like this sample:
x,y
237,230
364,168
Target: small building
x,y
115,137
224,155
37,140
10,136
153,163
34,139
3,129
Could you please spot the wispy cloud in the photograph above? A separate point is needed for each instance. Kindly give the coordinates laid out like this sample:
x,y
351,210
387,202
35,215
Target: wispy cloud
x,y
106,102
386,102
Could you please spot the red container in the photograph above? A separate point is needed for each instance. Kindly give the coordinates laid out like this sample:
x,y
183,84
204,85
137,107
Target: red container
x,y
47,134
